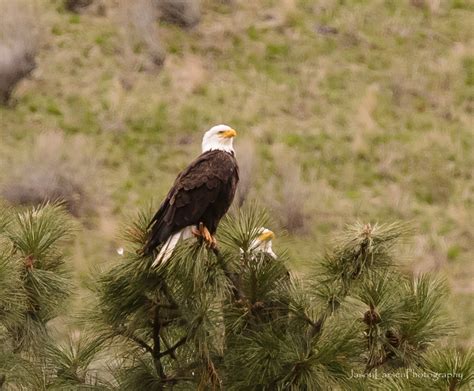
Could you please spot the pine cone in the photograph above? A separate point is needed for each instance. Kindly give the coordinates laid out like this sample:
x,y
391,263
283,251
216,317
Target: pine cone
x,y
371,317
393,339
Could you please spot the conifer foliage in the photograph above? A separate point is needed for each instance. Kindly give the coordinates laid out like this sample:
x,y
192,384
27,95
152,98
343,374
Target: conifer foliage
x,y
34,285
232,318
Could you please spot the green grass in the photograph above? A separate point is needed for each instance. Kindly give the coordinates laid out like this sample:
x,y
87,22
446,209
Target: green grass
x,y
378,115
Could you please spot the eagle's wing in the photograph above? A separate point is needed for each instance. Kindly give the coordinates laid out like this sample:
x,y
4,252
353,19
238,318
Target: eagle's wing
x,y
194,190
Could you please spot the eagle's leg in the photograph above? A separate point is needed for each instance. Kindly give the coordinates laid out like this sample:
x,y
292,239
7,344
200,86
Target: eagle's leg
x,y
204,233
213,242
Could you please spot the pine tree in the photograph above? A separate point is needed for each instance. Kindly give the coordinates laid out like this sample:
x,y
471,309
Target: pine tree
x,y
231,318
34,285
235,319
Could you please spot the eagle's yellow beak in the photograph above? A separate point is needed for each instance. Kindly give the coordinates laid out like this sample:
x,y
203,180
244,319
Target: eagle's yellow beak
x,y
229,133
266,236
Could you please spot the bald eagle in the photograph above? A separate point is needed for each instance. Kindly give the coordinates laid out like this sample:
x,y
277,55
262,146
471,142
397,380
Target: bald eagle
x,y
263,243
199,198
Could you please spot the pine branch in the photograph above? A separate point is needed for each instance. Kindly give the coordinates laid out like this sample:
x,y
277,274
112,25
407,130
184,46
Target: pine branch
x,y
157,344
170,351
168,346
176,379
317,326
167,306
362,249
172,302
236,289
135,339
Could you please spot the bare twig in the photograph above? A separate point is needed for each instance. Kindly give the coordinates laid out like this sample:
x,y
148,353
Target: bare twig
x,y
142,343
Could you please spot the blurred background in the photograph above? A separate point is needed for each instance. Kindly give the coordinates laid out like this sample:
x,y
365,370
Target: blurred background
x,y
346,110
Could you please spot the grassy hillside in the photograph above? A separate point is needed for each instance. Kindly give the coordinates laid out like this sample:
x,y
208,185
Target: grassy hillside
x,y
346,110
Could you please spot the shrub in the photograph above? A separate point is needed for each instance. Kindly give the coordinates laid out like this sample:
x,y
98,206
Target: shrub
x,y
19,43
76,5
185,13
56,169
142,46
287,193
246,159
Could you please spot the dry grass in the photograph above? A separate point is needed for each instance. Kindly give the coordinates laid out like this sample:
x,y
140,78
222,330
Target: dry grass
x,y
56,169
188,74
19,44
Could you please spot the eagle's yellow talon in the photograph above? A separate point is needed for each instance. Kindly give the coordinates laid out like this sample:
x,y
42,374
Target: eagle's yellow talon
x,y
207,235
201,232
213,242
196,232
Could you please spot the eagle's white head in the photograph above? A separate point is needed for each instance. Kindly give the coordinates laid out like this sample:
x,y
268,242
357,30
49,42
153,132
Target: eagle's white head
x,y
263,242
219,137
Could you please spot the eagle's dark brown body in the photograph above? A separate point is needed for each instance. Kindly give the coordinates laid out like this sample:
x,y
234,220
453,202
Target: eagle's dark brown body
x,y
202,193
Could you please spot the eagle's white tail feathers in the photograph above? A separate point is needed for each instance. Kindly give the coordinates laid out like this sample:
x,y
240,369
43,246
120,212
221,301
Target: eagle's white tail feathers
x,y
168,247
